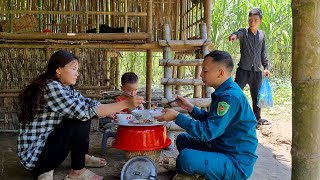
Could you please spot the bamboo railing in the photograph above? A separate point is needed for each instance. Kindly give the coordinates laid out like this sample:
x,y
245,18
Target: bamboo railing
x,y
171,74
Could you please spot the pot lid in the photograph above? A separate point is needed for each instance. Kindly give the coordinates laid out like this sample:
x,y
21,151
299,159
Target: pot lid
x,y
139,167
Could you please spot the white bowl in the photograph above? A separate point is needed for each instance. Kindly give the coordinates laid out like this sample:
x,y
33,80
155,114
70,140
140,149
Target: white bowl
x,y
141,114
124,118
156,112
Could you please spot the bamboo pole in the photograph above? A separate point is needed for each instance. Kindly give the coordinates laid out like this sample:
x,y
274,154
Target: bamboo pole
x,y
142,14
207,16
197,88
125,16
305,91
117,71
40,15
123,47
149,56
149,19
10,12
180,62
198,42
149,79
176,81
181,37
207,90
74,36
167,55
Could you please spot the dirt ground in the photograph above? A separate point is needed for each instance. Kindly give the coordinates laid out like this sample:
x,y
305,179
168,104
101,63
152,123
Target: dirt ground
x,y
274,160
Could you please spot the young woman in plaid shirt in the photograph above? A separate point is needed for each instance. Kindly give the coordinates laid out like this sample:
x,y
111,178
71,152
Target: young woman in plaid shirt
x,y
55,120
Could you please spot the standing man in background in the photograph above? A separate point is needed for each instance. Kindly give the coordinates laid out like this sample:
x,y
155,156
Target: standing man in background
x,y
253,55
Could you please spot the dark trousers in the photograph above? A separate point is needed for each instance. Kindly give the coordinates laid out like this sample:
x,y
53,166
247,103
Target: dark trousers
x,y
71,135
254,79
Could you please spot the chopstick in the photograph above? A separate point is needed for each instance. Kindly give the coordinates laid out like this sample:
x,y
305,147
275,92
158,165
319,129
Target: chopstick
x,y
170,102
125,93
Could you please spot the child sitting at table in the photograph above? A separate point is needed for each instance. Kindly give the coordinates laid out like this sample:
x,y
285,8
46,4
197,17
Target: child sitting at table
x,y
129,85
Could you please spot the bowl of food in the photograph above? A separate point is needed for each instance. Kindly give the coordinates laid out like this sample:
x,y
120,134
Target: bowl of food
x,y
156,112
141,114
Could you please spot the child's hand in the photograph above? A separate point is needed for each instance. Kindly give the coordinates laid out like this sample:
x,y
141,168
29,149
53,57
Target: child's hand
x,y
232,37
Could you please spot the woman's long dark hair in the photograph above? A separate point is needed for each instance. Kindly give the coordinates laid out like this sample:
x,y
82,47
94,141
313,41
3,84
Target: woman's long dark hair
x,y
31,98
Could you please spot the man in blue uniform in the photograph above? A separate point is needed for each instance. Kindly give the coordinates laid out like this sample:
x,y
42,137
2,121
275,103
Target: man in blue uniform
x,y
221,143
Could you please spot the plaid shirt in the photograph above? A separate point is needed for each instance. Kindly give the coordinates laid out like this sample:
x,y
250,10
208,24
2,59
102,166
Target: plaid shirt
x,y
61,101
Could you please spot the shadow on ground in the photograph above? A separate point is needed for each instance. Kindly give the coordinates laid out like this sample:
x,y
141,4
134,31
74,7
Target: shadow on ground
x,y
267,167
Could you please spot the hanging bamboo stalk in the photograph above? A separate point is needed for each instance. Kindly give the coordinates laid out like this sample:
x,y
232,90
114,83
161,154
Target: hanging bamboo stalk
x,y
180,62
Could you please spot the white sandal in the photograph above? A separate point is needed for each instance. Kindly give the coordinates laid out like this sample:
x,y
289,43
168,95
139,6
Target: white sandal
x,y
46,176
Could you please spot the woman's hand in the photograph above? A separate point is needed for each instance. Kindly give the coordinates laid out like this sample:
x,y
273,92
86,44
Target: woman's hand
x,y
169,115
184,103
133,102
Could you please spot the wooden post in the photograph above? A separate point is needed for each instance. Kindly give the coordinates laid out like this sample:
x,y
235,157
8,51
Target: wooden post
x,y
149,79
167,55
10,16
150,25
207,16
305,91
117,71
98,17
197,89
149,57
206,90
126,16
40,16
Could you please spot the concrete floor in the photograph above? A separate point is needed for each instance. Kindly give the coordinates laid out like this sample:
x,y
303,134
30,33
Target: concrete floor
x,y
10,168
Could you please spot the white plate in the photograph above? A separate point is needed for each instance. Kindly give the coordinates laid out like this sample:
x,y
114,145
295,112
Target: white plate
x,y
155,123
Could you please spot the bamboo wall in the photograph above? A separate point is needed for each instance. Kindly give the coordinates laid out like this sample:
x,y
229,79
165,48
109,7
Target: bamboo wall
x,y
77,16
20,65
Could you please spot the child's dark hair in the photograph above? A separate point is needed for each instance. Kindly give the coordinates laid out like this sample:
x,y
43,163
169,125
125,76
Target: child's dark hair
x,y
129,77
255,11
223,58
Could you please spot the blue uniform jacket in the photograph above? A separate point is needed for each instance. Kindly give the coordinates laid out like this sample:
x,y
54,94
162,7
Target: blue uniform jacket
x,y
230,130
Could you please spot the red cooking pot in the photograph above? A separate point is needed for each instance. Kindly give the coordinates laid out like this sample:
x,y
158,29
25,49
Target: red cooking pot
x,y
141,138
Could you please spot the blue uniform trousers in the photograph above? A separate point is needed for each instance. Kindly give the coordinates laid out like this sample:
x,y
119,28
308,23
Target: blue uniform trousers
x,y
197,157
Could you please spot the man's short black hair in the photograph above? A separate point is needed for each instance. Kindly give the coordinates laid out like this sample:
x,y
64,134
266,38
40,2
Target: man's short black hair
x,y
222,58
129,77
255,11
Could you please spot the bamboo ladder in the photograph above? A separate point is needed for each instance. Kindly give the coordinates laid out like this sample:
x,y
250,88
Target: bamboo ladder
x,y
168,81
